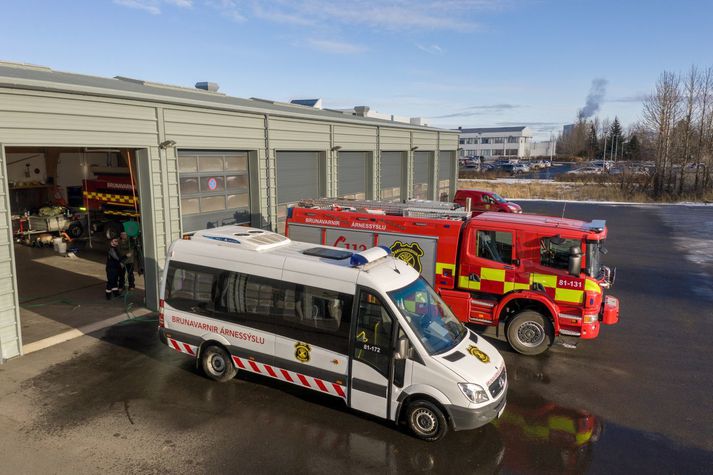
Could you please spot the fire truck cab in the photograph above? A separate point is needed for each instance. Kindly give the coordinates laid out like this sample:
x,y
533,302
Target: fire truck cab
x,y
541,277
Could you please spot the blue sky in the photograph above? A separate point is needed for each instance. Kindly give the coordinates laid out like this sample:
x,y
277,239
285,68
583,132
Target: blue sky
x,y
470,63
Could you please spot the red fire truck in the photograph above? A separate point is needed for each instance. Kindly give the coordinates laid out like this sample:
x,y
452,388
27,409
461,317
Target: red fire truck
x,y
541,277
111,199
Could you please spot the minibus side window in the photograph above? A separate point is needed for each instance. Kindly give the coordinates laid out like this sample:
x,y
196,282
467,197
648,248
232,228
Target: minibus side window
x,y
372,340
316,316
190,290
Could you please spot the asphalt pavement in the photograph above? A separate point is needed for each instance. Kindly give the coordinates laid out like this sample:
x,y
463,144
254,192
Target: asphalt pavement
x,y
636,400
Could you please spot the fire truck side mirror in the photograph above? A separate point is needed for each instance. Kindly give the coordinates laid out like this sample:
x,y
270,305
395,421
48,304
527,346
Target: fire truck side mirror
x,y
575,261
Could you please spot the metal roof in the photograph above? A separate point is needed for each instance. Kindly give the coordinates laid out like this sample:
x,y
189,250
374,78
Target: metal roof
x,y
485,130
25,76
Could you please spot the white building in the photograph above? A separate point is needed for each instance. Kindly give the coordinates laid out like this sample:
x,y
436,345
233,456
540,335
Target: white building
x,y
542,149
495,141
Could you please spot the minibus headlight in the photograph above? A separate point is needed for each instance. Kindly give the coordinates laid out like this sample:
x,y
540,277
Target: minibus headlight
x,y
473,392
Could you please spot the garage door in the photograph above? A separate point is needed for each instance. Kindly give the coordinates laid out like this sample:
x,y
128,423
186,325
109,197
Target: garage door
x,y
445,174
298,177
214,188
352,174
391,175
421,175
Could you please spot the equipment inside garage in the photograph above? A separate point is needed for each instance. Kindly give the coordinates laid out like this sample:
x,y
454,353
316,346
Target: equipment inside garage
x,y
66,204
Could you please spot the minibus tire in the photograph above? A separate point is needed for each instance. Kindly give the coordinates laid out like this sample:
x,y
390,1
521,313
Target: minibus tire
x,y
426,420
530,333
217,364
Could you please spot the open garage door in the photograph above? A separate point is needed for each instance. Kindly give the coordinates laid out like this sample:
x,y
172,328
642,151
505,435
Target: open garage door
x,y
392,175
214,188
422,175
352,174
298,177
66,205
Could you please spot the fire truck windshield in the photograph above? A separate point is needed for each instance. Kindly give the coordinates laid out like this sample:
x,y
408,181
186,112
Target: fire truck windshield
x,y
431,319
499,198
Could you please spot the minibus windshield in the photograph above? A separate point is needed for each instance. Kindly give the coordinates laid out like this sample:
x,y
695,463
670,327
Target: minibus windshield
x,y
431,319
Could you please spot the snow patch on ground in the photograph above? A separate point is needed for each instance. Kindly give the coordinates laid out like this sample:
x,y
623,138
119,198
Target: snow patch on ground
x,y
693,237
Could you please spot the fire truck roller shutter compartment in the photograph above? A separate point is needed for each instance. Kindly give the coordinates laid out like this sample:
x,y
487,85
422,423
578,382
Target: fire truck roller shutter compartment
x,y
215,188
298,176
392,175
421,175
352,174
67,204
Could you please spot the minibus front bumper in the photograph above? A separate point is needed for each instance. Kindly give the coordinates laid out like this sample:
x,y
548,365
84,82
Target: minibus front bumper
x,y
463,418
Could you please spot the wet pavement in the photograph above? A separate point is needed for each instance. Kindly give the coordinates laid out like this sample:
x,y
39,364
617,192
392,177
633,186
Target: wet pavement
x,y
636,400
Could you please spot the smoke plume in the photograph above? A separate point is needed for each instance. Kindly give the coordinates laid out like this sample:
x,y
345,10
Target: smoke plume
x,y
594,98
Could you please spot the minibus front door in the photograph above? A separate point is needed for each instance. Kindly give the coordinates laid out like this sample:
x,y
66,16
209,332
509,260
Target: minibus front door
x,y
369,387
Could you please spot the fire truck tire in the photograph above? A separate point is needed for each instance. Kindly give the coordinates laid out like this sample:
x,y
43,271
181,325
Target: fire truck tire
x,y
530,333
426,420
75,230
112,229
217,364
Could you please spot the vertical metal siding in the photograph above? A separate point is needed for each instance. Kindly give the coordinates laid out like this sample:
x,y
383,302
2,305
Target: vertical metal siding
x,y
10,339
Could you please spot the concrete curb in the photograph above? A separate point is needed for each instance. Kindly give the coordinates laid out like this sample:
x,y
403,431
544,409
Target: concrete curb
x,y
81,331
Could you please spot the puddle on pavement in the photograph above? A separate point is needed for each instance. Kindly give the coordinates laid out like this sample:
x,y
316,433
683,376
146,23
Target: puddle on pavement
x,y
151,389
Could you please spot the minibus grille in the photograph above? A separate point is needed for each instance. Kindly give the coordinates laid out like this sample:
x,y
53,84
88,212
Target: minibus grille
x,y
497,386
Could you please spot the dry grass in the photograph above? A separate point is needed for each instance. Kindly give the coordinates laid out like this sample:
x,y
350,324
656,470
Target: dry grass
x,y
577,191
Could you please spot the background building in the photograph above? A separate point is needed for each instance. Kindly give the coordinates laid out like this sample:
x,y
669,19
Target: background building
x,y
495,142
199,159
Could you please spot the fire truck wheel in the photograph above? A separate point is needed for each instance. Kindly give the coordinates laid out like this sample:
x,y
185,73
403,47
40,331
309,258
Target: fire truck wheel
x,y
75,230
530,333
112,230
217,365
426,420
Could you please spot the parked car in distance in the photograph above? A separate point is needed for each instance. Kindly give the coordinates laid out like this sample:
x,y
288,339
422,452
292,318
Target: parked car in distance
x,y
585,171
520,168
486,201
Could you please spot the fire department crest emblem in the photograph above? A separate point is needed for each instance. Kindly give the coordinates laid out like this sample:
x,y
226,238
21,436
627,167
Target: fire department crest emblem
x,y
409,253
302,352
473,350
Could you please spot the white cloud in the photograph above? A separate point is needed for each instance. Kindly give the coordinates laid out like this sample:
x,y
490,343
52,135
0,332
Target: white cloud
x,y
229,9
430,49
378,14
337,47
150,6
153,6
181,3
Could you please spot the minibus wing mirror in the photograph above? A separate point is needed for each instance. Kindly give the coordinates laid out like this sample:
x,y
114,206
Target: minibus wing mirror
x,y
402,348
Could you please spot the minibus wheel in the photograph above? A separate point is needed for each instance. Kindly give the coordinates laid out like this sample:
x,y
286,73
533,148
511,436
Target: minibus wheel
x,y
426,420
217,365
530,333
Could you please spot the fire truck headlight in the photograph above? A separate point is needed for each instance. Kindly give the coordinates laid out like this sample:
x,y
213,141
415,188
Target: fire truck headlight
x,y
473,392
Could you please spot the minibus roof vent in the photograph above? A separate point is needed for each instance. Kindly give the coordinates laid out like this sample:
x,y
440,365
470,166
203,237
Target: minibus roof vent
x,y
242,237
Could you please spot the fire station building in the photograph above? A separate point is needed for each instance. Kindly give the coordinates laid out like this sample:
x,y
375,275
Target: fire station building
x,y
184,159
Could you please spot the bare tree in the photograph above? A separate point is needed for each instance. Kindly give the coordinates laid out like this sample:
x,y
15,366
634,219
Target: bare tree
x,y
705,127
686,129
662,110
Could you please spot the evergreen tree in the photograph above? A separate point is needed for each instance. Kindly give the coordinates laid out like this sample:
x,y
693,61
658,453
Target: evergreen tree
x,y
592,142
632,151
616,138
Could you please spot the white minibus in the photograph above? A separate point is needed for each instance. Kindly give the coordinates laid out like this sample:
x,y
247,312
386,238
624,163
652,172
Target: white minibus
x,y
360,326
